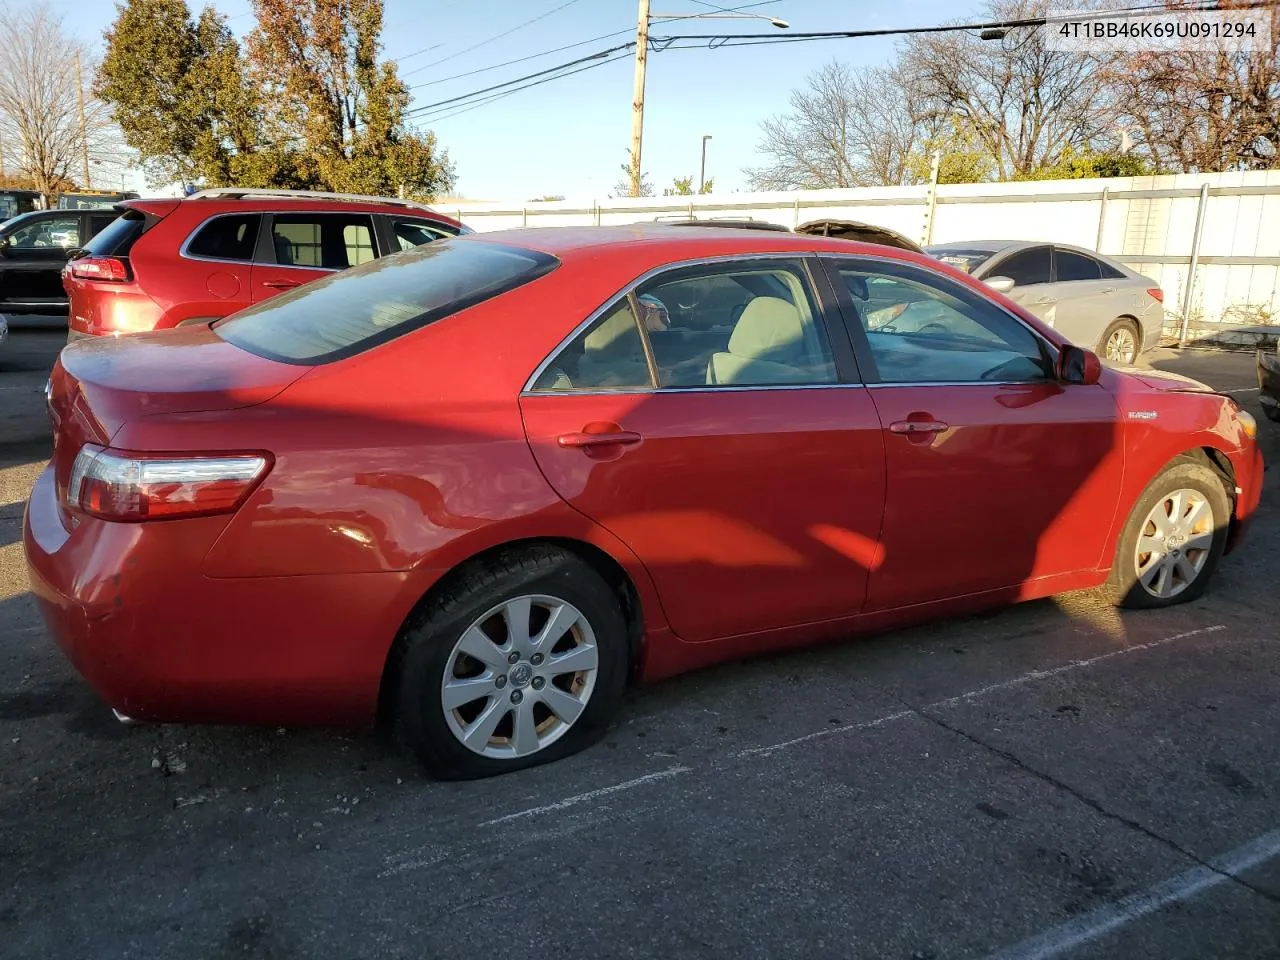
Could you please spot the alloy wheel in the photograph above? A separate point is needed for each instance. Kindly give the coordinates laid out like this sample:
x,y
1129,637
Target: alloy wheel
x,y
519,676
1122,347
1174,543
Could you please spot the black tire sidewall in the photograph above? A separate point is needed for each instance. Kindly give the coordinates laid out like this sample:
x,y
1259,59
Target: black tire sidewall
x,y
420,719
1185,474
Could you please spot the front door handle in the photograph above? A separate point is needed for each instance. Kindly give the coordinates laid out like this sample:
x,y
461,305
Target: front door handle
x,y
585,441
281,284
918,426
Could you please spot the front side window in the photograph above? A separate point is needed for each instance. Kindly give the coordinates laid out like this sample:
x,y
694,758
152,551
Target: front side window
x,y
356,309
1025,267
924,329
226,238
322,241
48,233
1076,266
742,324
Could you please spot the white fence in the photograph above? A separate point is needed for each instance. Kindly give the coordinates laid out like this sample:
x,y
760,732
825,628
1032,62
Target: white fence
x,y
1222,229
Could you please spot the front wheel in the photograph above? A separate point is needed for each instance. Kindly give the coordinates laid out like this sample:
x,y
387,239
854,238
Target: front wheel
x,y
1172,540
523,662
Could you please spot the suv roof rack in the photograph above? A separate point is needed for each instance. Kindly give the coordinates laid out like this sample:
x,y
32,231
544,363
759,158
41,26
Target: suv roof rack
x,y
729,222
238,193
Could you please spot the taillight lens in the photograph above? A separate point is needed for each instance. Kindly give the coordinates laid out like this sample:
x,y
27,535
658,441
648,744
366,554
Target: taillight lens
x,y
1155,293
114,486
100,268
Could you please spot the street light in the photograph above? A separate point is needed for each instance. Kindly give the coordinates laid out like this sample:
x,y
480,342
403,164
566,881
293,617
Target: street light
x,y
643,19
702,171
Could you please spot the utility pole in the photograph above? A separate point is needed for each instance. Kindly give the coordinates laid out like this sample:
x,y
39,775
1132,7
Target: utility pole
x,y
702,170
637,97
84,131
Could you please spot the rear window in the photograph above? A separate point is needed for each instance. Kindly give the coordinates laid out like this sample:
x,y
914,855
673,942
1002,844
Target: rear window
x,y
118,236
347,312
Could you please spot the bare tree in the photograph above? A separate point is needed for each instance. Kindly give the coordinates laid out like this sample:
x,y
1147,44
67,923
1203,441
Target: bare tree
x,y
1025,104
1199,111
845,129
40,126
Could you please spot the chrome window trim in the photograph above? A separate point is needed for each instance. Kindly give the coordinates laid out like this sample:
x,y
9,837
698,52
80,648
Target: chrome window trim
x,y
802,255
1054,352
708,388
182,250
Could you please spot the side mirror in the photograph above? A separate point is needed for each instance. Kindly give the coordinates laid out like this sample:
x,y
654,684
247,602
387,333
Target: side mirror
x,y
5,246
1078,365
1000,284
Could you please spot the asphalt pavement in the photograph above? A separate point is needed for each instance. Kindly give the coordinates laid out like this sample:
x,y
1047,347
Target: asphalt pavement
x,y
1054,780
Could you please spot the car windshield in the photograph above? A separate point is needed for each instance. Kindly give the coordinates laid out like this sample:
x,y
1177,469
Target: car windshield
x,y
359,308
966,260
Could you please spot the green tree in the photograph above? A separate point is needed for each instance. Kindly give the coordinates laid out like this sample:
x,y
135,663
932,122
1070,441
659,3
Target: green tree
x,y
963,157
683,187
308,105
1073,165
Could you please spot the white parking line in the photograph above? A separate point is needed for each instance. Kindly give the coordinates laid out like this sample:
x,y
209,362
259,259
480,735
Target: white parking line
x,y
591,795
983,691
1097,923
1243,390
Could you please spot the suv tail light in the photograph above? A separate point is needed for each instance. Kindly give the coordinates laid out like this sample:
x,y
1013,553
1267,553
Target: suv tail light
x,y
100,268
1155,293
115,486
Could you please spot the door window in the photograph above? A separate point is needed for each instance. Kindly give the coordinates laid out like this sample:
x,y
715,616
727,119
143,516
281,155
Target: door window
x,y
46,234
414,233
327,242
745,324
99,222
226,238
1025,267
921,328
1076,266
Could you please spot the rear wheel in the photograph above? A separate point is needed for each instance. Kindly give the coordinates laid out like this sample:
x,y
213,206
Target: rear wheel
x,y
523,662
1272,413
1120,343
1173,539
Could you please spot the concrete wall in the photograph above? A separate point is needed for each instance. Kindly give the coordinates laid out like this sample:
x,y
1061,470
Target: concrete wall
x,y
1149,223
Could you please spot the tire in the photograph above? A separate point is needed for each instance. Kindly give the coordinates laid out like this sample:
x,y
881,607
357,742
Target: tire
x,y
1189,477
1130,354
1271,413
476,607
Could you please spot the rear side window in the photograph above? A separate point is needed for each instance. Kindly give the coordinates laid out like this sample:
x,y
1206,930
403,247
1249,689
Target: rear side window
x,y
356,309
1076,266
414,233
326,242
118,237
226,238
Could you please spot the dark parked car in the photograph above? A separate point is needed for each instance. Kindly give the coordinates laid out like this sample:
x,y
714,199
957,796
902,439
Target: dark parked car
x,y
34,247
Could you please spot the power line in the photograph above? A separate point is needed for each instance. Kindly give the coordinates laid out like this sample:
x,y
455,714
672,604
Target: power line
x,y
496,36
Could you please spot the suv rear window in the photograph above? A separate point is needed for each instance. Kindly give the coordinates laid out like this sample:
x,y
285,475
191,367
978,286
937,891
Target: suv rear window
x,y
118,236
347,312
226,238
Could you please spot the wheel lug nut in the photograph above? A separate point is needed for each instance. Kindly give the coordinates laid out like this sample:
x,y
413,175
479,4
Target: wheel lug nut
x,y
500,682
513,657
536,659
516,696
538,683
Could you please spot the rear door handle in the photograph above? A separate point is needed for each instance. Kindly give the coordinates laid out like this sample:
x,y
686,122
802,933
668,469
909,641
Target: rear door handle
x,y
587,440
918,426
281,284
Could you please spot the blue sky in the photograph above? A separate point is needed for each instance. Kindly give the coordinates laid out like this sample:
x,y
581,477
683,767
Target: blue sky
x,y
570,136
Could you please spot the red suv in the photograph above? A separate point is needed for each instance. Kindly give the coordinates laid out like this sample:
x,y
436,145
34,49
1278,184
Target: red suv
x,y
165,263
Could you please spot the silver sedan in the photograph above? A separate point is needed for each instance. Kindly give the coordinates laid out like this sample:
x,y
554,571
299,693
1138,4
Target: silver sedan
x,y
1091,300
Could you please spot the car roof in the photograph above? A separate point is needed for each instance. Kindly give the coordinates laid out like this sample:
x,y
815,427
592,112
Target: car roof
x,y
983,246
568,242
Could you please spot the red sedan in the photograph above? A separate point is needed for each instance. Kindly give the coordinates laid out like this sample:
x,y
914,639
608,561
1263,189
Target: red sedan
x,y
476,487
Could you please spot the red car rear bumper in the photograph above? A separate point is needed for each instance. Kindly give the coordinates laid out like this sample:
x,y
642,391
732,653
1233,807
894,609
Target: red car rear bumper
x,y
274,650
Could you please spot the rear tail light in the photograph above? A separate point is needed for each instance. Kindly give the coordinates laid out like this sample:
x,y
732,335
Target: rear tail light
x,y
100,268
114,486
1155,293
